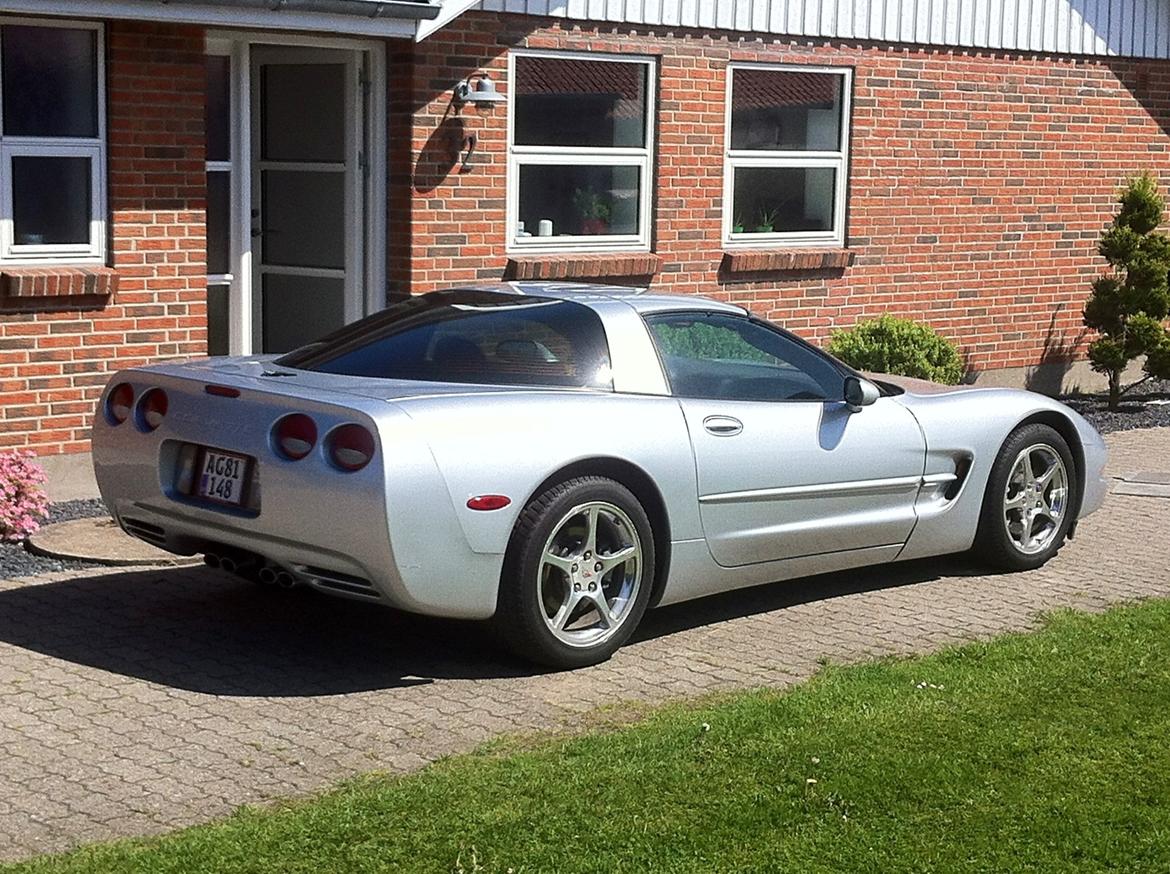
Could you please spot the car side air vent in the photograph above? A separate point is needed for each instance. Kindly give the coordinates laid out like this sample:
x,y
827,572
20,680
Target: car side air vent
x,y
962,468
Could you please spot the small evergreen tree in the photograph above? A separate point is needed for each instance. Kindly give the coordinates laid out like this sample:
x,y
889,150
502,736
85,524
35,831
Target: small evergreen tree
x,y
1128,306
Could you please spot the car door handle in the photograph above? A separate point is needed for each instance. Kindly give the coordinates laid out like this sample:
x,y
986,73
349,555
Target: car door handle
x,y
722,426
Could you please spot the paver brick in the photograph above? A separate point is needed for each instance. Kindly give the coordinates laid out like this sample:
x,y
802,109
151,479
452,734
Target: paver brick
x,y
139,701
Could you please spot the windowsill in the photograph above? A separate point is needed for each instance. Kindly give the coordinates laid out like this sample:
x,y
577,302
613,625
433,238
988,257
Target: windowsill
x,y
57,281
569,266
786,259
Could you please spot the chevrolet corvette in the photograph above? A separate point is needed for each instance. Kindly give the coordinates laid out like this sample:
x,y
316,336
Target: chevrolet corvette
x,y
558,459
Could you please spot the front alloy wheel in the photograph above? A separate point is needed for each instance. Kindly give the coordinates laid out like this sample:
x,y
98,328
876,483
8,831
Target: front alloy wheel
x,y
1029,502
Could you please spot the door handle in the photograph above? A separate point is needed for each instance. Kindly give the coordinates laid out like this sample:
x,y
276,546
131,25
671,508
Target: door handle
x,y
722,426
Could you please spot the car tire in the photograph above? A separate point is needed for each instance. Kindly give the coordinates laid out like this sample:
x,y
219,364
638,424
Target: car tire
x,y
557,574
1028,506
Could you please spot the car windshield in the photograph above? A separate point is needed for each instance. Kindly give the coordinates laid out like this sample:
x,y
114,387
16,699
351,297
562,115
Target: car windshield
x,y
469,336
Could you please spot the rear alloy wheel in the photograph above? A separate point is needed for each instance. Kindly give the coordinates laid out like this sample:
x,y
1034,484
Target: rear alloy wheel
x,y
578,574
1028,507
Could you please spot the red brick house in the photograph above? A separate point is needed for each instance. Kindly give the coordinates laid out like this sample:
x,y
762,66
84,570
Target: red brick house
x,y
239,176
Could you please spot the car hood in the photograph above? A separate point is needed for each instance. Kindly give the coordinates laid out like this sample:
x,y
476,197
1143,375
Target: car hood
x,y
919,386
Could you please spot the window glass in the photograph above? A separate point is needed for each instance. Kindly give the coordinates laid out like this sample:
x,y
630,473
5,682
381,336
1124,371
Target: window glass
x,y
218,222
218,312
470,337
734,358
770,200
580,200
63,217
303,112
578,102
217,109
50,81
776,110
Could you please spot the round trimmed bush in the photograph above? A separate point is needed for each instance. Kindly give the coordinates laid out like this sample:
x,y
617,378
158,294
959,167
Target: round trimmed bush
x,y
902,346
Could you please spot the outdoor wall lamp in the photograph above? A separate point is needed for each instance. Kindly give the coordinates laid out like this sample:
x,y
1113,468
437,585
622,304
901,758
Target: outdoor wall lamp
x,y
482,93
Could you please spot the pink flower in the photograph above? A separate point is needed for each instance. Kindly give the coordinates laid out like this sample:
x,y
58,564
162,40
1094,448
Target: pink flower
x,y
23,503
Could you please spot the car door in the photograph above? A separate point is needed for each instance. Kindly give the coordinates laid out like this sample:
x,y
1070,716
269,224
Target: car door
x,y
785,468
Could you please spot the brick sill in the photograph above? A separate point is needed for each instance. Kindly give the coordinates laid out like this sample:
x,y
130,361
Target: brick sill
x,y
583,266
785,260
55,282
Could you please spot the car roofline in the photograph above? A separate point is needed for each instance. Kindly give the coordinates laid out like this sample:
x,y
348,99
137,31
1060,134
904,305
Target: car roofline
x,y
639,298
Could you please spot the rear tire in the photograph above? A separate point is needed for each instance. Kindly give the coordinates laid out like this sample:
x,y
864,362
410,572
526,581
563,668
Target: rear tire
x,y
578,574
1028,505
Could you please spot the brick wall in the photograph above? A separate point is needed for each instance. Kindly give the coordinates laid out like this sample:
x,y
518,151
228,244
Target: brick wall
x,y
979,181
56,352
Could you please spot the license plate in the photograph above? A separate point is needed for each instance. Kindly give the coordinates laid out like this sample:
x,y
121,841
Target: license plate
x,y
221,477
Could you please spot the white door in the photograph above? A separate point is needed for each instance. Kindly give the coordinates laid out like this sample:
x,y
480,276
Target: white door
x,y
308,210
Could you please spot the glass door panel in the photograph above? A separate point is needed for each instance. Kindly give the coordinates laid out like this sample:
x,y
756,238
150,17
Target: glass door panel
x,y
306,211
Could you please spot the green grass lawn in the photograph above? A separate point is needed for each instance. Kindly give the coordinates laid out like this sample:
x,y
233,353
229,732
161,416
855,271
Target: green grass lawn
x,y
1039,752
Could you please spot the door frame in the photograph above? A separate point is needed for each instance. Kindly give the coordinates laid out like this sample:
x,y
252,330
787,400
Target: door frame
x,y
367,225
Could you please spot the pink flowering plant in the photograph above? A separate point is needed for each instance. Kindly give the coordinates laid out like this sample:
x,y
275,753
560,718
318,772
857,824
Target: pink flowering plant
x,y
23,502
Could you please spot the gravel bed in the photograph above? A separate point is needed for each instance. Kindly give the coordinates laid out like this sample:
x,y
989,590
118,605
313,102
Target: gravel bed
x,y
16,561
1136,410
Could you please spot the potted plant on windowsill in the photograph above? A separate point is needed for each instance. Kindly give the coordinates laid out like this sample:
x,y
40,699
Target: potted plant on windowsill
x,y
737,225
594,211
766,221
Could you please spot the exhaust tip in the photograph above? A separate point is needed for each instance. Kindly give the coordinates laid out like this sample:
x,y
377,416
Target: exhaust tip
x,y
228,564
267,575
285,580
211,560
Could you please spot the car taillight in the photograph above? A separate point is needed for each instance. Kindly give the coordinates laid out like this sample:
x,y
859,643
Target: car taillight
x,y
119,402
350,447
152,409
295,435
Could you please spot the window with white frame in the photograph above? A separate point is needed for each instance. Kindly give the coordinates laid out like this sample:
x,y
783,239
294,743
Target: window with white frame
x,y
52,142
787,155
580,168
218,125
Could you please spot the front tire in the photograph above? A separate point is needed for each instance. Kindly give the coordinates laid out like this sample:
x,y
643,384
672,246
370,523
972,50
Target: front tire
x,y
578,574
1028,506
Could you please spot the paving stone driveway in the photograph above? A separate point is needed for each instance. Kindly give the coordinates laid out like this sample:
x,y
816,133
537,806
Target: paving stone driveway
x,y
134,702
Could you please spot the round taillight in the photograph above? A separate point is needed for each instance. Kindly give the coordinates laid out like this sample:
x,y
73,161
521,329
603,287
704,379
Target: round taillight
x,y
295,435
152,409
350,447
119,402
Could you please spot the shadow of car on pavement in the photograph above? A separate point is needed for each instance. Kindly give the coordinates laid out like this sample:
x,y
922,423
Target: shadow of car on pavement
x,y
204,631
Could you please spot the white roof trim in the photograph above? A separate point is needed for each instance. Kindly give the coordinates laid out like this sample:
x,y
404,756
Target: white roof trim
x,y
218,14
452,9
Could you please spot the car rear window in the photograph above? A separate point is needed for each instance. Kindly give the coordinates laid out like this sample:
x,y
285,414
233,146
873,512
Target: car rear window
x,y
466,336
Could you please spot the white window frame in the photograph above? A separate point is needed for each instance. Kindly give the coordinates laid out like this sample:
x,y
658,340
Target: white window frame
x,y
640,158
94,148
838,160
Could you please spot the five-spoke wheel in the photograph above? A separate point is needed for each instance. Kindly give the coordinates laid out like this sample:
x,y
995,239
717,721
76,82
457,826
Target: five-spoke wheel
x,y
1028,506
578,573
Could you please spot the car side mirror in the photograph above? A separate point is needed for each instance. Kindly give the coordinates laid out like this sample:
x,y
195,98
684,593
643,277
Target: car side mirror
x,y
860,393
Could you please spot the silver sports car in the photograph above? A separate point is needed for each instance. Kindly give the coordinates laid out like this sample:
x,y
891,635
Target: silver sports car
x,y
558,459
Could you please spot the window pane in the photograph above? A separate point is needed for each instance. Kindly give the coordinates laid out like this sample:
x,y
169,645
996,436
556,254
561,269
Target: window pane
x,y
217,319
217,109
303,112
578,102
298,309
50,200
471,337
578,200
786,111
733,358
50,81
303,218
784,199
219,196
